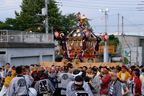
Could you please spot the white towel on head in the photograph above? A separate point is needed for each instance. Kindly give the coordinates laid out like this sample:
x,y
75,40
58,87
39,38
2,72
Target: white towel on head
x,y
79,74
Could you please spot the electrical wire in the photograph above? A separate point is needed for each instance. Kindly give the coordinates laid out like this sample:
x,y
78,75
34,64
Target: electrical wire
x,y
123,3
129,46
98,8
95,1
132,23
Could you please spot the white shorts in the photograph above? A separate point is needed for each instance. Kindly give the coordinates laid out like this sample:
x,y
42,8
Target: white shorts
x,y
4,91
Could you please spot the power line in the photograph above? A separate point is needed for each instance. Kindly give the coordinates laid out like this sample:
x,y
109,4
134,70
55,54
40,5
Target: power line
x,y
116,3
96,8
16,8
88,5
82,5
133,24
98,1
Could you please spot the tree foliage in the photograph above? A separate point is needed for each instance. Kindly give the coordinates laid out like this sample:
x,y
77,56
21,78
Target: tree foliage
x,y
126,60
28,20
9,24
68,22
112,40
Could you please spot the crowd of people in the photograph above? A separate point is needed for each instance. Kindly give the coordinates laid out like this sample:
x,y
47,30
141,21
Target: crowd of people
x,y
37,80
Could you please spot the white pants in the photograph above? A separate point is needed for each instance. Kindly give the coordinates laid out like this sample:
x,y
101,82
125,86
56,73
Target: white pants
x,y
4,91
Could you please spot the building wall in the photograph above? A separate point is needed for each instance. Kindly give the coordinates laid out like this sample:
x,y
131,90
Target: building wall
x,y
133,41
134,55
26,56
3,57
130,40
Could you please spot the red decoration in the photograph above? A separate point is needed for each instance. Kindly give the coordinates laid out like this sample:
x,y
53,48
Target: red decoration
x,y
87,34
19,35
38,28
79,16
12,37
92,48
57,35
105,37
70,48
1,39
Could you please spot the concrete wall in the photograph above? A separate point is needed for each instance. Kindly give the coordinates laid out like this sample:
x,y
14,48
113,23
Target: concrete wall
x,y
130,40
26,56
3,57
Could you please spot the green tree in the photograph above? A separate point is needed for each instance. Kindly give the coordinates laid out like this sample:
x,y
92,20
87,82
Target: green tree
x,y
126,60
5,26
28,20
112,40
11,22
68,22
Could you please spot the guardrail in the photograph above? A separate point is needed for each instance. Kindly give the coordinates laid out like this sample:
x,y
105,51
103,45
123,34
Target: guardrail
x,y
25,37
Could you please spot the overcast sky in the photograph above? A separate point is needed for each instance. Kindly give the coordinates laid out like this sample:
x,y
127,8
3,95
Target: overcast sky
x,y
133,19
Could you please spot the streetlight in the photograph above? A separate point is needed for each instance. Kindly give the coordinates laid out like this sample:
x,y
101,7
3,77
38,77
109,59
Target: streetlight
x,y
105,47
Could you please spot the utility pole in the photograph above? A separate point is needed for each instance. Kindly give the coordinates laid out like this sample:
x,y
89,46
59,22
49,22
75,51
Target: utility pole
x,y
130,57
122,43
52,33
118,24
137,55
105,47
122,25
46,14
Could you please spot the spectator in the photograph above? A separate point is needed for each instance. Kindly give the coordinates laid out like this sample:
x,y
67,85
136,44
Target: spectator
x,y
7,68
105,82
95,83
114,88
125,90
123,75
138,84
52,76
142,76
115,70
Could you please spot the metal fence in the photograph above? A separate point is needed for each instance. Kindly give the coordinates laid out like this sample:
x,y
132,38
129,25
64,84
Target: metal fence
x,y
25,37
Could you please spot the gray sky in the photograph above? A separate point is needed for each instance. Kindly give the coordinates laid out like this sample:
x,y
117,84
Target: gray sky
x,y
133,19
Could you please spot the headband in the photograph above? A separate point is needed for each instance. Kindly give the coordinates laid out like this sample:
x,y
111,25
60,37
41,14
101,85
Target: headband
x,y
78,83
123,67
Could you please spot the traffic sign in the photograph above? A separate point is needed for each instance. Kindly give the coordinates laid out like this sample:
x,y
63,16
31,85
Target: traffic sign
x,y
125,53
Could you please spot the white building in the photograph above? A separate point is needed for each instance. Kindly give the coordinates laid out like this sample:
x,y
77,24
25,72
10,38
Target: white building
x,y
133,43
